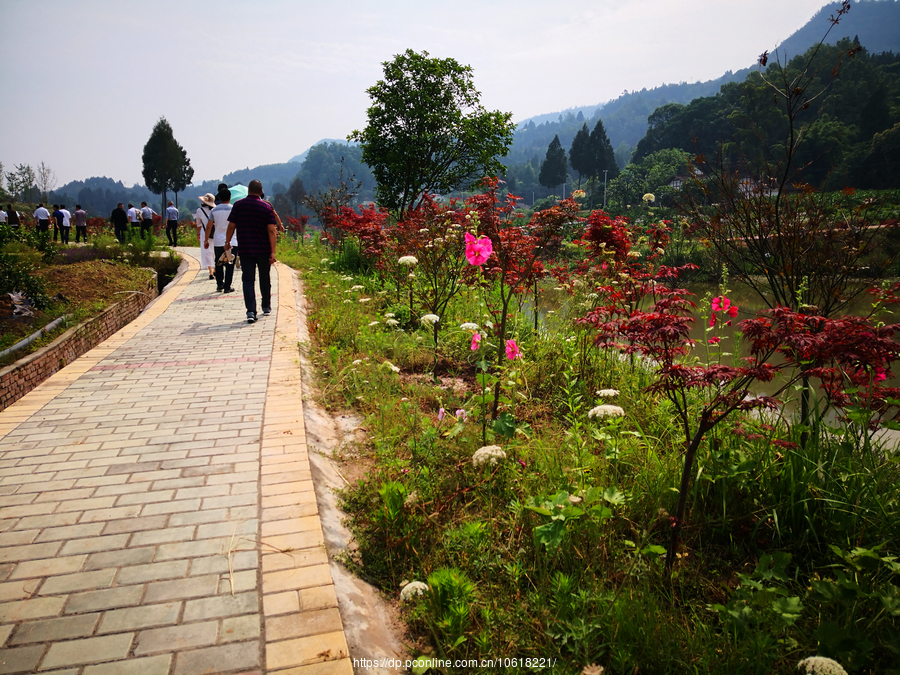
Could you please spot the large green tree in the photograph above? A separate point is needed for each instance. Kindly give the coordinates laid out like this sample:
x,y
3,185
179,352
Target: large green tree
x,y
21,182
580,155
427,131
166,164
553,170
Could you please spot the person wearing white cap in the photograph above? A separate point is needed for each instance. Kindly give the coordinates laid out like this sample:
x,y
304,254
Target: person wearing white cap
x,y
201,220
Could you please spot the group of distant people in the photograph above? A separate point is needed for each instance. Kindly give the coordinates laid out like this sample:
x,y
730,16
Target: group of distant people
x,y
61,218
253,222
143,216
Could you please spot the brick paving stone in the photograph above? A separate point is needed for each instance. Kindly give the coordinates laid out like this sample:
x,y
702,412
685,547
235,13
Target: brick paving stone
x,y
83,581
178,589
128,557
177,637
46,567
150,665
110,598
136,618
50,630
88,650
239,655
221,606
20,659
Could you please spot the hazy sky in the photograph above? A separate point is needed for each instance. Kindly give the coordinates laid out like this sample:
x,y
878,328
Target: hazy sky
x,y
257,82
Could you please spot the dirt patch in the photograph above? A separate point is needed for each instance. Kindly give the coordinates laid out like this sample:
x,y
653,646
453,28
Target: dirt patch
x,y
85,289
372,623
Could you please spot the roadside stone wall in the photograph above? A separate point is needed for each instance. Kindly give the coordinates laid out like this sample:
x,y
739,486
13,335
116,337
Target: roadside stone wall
x,y
18,379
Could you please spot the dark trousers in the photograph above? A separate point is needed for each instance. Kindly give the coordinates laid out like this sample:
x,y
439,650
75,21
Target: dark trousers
x,y
172,232
56,229
80,231
224,271
64,234
249,266
120,233
43,226
146,227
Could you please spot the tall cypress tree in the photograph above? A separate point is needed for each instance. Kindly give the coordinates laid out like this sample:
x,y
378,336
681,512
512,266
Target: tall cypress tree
x,y
166,164
580,156
554,168
603,157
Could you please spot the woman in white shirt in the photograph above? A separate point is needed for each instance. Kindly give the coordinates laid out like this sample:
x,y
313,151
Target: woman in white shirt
x,y
201,220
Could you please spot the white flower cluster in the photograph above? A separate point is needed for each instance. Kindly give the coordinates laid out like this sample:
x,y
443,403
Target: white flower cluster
x,y
489,454
430,319
608,393
602,411
409,260
821,665
469,326
412,589
392,366
393,323
357,288
411,499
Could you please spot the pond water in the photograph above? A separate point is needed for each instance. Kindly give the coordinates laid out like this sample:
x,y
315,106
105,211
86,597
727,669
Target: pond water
x,y
749,305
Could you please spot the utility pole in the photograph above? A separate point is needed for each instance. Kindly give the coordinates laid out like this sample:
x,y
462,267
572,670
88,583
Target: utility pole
x,y
604,188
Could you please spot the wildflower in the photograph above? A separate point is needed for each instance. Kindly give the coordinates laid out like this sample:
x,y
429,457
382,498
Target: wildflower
x,y
408,260
608,393
578,194
430,319
820,665
347,302
365,299
649,198
476,338
478,250
392,366
714,340
469,326
392,322
606,411
592,669
461,415
373,323
489,454
357,288
634,254
356,362
324,260
411,499
441,415
512,350
413,589
389,315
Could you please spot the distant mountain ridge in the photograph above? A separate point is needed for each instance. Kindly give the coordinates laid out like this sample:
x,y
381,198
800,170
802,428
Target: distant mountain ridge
x,y
876,23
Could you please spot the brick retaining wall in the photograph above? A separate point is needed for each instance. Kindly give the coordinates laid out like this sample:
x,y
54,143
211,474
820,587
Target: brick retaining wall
x,y
28,372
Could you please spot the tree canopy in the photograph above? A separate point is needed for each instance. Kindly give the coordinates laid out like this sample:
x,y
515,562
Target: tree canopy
x,y
427,131
166,164
553,170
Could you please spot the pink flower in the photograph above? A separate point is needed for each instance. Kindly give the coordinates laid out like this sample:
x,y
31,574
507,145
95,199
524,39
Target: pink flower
x,y
478,250
476,338
880,374
733,311
461,415
512,350
712,321
440,414
714,340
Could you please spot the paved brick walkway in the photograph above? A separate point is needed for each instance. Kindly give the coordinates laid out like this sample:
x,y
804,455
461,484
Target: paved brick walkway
x,y
157,513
